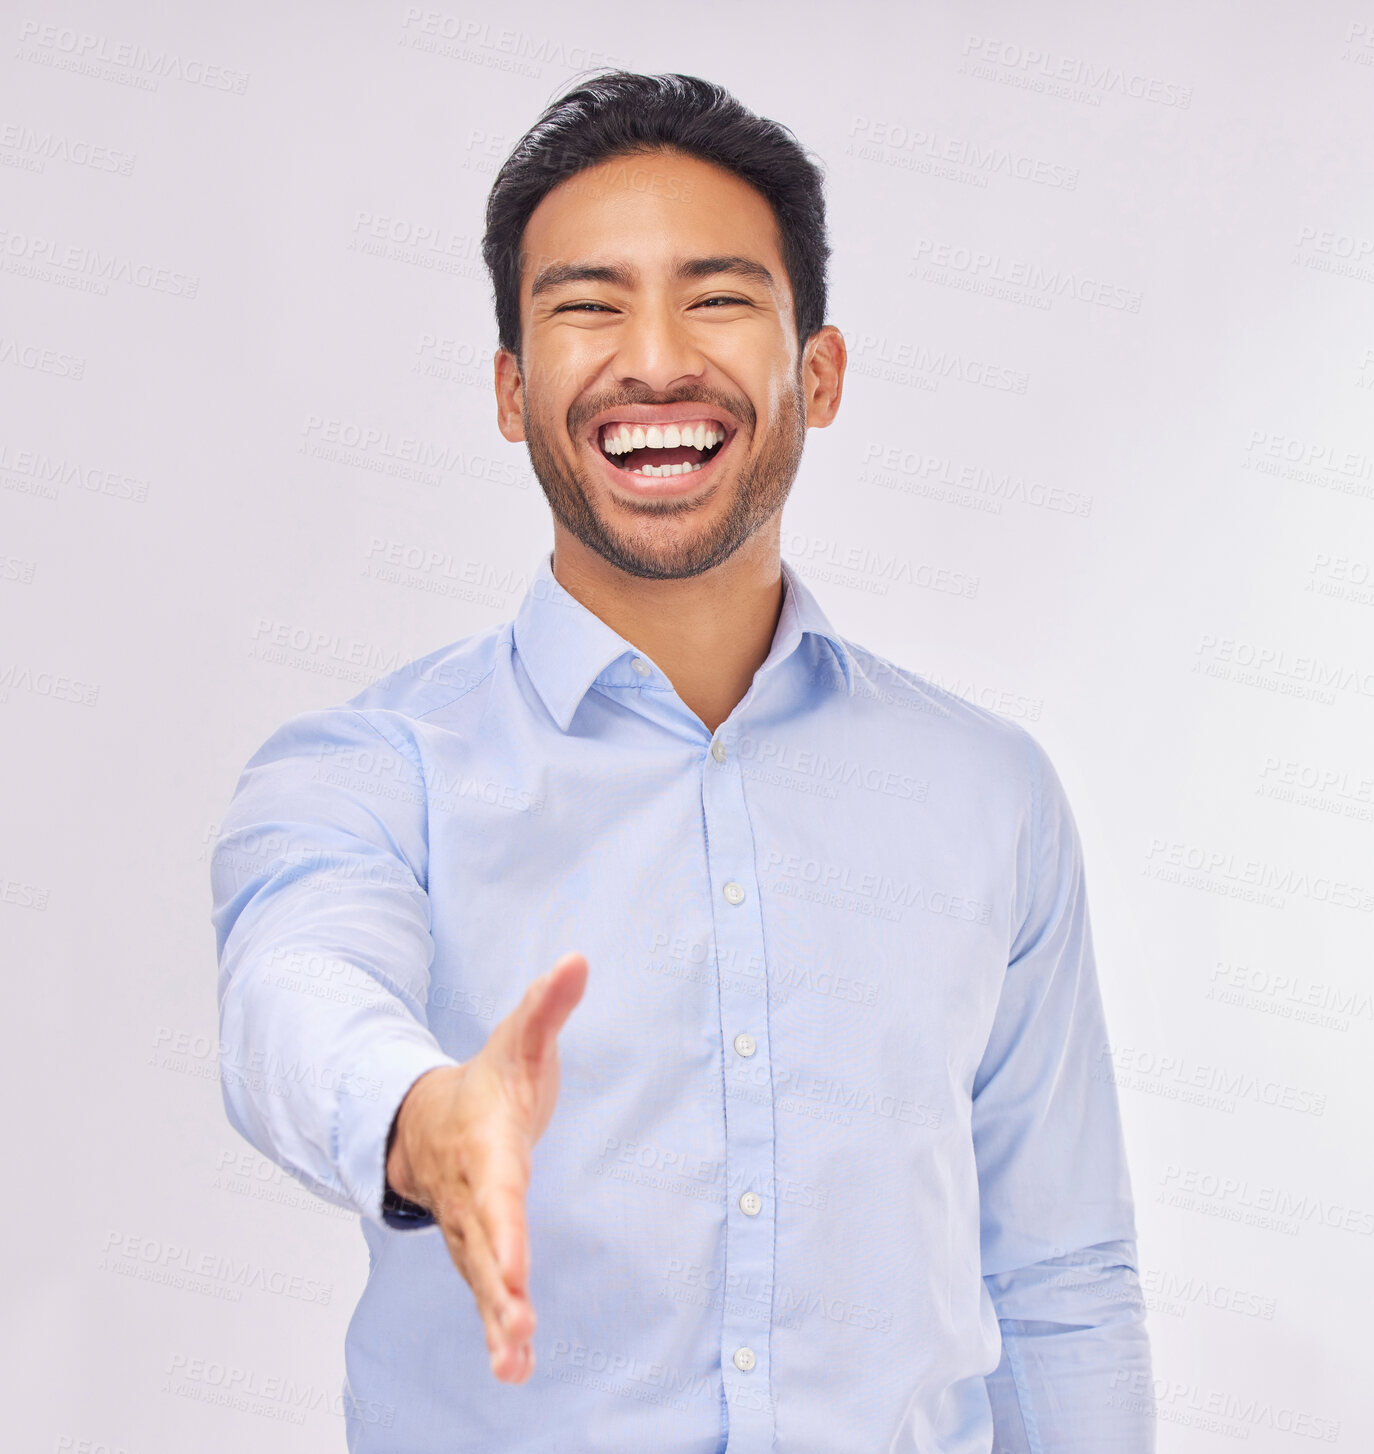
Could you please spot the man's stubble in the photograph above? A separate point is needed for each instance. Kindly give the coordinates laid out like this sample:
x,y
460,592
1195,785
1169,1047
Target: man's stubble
x,y
759,492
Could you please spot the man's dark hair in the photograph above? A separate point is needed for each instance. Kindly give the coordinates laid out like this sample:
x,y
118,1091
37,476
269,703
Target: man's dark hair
x,y
620,113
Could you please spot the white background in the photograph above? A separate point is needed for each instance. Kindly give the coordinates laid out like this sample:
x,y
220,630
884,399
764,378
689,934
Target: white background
x,y
1154,460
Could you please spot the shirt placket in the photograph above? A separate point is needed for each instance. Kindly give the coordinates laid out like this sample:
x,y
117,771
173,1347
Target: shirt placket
x,y
749,1140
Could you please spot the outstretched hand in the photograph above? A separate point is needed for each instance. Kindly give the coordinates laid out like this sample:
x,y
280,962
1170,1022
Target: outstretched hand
x,y
462,1151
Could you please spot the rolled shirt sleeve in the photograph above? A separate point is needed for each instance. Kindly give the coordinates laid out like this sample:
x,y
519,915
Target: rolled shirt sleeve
x,y
321,916
1057,1218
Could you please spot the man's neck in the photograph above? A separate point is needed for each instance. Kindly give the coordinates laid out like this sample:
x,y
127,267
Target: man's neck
x,y
709,633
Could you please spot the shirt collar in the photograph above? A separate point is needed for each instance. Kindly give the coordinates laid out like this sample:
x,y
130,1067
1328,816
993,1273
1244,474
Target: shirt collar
x,y
565,647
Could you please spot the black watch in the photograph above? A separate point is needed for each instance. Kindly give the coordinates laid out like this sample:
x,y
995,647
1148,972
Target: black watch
x,y
396,1210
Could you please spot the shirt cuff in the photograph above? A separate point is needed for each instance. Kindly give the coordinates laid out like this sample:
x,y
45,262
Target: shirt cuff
x,y
365,1127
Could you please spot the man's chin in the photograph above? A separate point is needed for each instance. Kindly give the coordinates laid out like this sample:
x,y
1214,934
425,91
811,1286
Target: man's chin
x,y
656,554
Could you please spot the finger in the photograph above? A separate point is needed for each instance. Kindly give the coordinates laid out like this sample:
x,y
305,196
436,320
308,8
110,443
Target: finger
x,y
508,1323
555,996
507,1320
499,1203
498,1179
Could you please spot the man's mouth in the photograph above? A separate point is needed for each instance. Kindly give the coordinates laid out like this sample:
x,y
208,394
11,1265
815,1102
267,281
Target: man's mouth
x,y
655,450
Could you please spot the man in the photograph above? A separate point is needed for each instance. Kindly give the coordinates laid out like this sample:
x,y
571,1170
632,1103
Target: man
x,y
783,952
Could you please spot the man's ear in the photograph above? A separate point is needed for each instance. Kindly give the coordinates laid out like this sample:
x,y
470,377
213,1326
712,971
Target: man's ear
x,y
823,365
510,396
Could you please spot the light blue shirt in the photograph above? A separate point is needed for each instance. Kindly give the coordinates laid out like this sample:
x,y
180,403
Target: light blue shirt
x,y
837,1165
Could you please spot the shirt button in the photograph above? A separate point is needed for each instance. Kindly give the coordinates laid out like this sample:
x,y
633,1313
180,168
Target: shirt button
x,y
744,1045
717,749
744,1359
734,894
640,666
751,1204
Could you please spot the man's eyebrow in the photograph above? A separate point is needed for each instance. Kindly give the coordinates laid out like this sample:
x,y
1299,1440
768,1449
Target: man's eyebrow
x,y
557,275
739,267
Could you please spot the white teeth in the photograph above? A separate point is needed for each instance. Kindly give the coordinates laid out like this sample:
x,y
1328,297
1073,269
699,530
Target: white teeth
x,y
655,471
620,439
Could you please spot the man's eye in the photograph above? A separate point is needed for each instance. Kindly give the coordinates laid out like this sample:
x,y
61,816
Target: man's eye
x,y
572,307
726,300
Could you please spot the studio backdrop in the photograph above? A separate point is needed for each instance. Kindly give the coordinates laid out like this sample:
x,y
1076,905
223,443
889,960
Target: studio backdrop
x,y
1104,465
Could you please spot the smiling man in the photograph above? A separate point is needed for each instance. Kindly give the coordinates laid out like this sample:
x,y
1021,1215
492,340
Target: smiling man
x,y
717,997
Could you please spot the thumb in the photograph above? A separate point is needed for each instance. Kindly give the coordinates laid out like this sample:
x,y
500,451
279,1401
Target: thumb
x,y
551,999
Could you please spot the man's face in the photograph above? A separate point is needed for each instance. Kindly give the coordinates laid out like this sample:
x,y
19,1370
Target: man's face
x,y
660,386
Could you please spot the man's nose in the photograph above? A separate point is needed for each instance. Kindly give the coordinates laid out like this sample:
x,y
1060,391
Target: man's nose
x,y
657,350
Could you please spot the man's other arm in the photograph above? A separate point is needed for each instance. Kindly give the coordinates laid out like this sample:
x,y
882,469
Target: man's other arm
x,y
322,925
1058,1230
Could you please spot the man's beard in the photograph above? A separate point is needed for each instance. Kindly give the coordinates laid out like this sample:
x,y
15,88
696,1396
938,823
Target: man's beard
x,y
760,492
